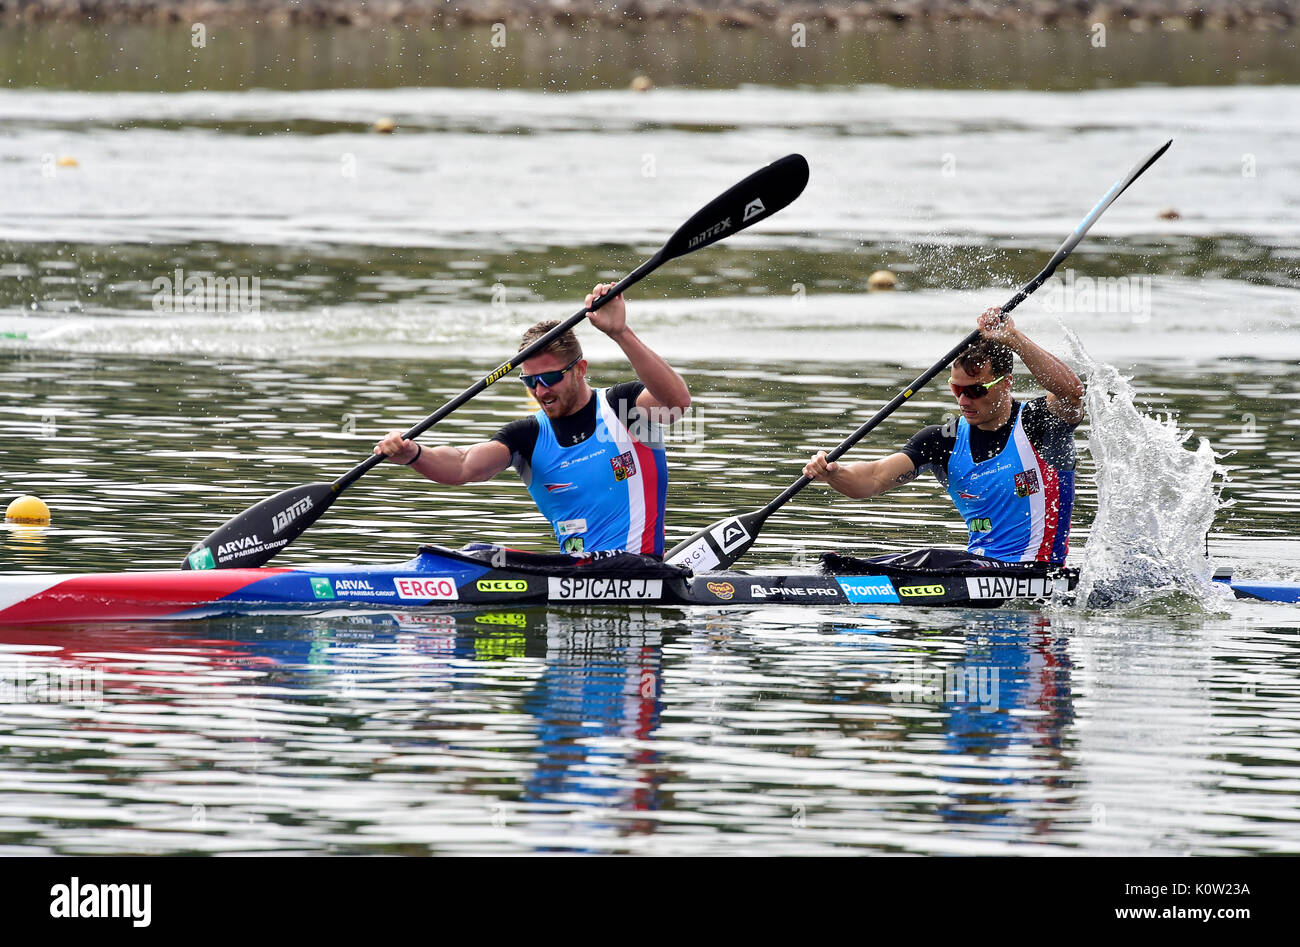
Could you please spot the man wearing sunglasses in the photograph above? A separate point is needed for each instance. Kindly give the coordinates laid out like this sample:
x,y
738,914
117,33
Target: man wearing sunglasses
x,y
593,460
1008,465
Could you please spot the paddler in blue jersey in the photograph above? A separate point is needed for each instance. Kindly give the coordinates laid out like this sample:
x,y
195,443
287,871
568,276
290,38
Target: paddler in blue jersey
x,y
1008,465
593,459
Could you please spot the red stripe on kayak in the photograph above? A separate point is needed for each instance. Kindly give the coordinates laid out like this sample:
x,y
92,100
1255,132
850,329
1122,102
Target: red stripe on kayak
x,y
121,595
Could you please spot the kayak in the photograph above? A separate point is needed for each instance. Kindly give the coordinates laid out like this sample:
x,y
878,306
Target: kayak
x,y
449,579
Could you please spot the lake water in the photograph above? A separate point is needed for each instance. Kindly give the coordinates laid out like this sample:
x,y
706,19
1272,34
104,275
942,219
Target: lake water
x,y
393,270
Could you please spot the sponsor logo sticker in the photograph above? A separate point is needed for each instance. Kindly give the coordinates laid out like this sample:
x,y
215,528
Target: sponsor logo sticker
x,y
238,549
624,466
792,592
920,591
719,227
698,556
981,524
243,544
569,527
321,587
753,209
869,588
202,559
582,459
1007,586
282,520
730,535
1026,483
594,589
998,467
559,487
432,587
502,585
723,590
358,588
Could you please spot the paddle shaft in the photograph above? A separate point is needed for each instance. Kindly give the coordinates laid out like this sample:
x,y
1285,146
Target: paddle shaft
x,y
917,384
523,355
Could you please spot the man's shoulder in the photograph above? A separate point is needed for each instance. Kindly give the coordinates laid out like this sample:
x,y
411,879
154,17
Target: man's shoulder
x,y
1051,436
1036,413
931,445
519,435
641,424
624,394
528,423
948,429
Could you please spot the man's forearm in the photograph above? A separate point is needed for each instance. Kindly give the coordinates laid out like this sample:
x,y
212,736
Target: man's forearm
x,y
443,464
861,480
1049,371
664,384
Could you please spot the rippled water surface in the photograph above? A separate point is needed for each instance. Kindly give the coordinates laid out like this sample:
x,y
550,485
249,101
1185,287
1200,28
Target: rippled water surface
x,y
756,732
393,270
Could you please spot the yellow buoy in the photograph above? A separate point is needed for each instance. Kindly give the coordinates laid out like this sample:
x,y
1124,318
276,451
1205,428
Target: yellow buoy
x,y
67,161
882,279
28,511
642,84
385,125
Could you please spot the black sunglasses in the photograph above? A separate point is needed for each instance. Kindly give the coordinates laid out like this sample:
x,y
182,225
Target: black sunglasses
x,y
548,379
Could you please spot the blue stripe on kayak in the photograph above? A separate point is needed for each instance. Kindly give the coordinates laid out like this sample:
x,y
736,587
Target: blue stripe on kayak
x,y
1270,591
400,585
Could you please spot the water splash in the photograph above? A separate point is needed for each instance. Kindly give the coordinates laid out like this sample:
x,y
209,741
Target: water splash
x,y
1156,501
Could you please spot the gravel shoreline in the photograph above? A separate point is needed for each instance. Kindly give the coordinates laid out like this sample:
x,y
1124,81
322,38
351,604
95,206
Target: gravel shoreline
x,y
737,14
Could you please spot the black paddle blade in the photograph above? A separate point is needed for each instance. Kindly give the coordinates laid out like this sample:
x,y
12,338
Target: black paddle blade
x,y
756,198
254,537
719,544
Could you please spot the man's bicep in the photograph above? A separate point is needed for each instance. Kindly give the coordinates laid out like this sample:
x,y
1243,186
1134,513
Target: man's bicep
x,y
1071,412
484,461
650,408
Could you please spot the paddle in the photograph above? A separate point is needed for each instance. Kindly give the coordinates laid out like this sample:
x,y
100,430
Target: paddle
x,y
720,544
256,535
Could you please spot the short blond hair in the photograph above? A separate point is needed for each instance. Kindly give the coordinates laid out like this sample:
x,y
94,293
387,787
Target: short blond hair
x,y
565,346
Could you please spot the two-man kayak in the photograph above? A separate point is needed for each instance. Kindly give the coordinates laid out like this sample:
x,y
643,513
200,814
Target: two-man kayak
x,y
448,579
